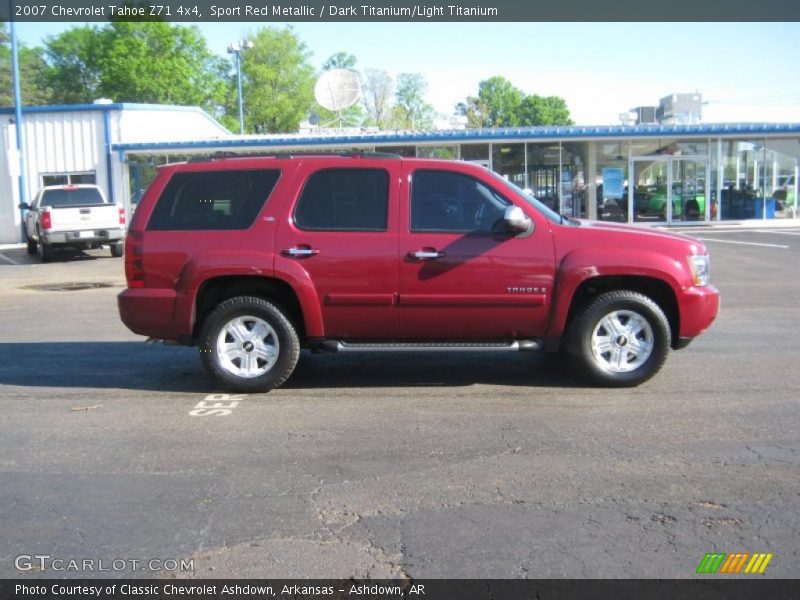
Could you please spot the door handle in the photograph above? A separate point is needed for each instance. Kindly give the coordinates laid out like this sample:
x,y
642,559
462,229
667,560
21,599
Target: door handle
x,y
300,252
426,254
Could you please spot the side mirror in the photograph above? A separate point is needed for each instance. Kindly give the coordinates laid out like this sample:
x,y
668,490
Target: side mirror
x,y
24,206
515,220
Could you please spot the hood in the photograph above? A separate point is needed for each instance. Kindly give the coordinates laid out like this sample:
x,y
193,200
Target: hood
x,y
642,232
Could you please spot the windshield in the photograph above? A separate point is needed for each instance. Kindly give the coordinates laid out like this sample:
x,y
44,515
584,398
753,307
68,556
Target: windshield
x,y
546,211
71,197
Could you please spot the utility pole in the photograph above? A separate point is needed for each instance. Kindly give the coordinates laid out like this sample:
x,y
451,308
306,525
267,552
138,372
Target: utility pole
x,y
23,193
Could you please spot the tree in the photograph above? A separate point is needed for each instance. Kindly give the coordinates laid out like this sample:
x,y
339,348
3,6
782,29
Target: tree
x,y
32,74
181,72
500,104
411,110
376,97
151,62
278,81
545,110
340,60
76,72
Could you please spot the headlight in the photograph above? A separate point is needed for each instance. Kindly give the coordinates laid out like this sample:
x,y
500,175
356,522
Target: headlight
x,y
698,265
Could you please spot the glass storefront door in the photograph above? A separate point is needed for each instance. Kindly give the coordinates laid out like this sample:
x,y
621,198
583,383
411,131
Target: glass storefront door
x,y
688,188
666,189
648,190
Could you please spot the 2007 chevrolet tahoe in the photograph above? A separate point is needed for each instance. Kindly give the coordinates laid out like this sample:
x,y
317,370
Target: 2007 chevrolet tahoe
x,y
252,258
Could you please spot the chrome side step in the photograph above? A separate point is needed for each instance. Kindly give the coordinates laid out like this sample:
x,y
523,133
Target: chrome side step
x,y
515,346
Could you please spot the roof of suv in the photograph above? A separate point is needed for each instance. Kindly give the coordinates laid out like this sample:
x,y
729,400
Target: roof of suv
x,y
292,155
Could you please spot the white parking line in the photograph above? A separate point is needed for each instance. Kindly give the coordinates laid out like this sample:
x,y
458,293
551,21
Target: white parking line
x,y
8,260
716,230
744,243
778,232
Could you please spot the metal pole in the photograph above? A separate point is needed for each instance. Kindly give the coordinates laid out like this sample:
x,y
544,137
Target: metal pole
x,y
239,81
23,192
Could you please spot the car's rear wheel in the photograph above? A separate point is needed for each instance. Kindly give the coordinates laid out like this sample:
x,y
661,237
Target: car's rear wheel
x,y
248,345
44,251
31,246
620,338
117,250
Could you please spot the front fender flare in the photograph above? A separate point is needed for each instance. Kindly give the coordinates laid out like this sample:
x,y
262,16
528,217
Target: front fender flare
x,y
581,265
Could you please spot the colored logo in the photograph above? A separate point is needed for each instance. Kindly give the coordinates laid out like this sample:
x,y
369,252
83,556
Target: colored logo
x,y
742,562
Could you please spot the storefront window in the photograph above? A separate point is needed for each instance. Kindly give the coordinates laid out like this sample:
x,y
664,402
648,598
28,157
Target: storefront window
x,y
400,150
573,181
508,160
743,180
475,153
445,152
668,147
543,173
781,165
609,178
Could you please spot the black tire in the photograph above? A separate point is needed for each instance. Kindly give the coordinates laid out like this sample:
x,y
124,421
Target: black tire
x,y
118,249
31,246
44,251
627,305
253,307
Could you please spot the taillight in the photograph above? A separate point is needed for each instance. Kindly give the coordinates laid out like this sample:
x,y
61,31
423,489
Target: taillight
x,y
134,261
47,222
122,215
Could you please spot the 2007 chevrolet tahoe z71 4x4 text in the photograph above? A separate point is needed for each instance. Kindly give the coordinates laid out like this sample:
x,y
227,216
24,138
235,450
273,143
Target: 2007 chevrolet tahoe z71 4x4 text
x,y
252,258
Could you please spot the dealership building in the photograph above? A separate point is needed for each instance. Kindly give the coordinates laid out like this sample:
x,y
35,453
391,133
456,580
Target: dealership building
x,y
650,174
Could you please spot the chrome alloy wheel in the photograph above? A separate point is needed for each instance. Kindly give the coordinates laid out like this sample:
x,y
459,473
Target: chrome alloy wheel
x,y
247,347
622,341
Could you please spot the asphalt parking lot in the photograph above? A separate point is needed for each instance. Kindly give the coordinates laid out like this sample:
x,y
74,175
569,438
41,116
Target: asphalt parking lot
x,y
446,465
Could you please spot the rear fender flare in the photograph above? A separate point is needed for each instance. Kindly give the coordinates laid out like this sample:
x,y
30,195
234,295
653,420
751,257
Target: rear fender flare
x,y
211,265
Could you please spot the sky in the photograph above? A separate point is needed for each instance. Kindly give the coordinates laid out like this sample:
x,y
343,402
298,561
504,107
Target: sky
x,y
745,71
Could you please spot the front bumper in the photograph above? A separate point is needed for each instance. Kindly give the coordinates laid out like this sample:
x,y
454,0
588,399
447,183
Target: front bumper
x,y
699,307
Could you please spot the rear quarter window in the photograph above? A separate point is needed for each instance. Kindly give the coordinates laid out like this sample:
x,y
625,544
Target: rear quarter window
x,y
344,200
212,200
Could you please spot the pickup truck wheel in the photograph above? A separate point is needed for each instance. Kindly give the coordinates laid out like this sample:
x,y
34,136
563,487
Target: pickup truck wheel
x,y
44,251
117,250
620,338
31,246
248,345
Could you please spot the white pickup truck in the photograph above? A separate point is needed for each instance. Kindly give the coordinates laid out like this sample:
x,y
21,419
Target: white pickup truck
x,y
74,216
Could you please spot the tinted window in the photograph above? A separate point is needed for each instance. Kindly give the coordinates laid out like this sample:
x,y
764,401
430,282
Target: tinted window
x,y
344,200
73,197
452,202
212,200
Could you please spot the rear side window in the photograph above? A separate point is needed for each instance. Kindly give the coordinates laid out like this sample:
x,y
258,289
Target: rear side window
x,y
344,200
212,200
71,197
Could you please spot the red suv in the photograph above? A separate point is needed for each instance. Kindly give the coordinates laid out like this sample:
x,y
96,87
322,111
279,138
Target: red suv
x,y
254,258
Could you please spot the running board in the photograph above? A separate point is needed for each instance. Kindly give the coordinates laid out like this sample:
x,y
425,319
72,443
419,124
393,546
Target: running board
x,y
515,346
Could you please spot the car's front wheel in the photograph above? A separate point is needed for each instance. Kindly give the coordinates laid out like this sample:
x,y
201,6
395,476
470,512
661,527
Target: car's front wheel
x,y
619,338
247,344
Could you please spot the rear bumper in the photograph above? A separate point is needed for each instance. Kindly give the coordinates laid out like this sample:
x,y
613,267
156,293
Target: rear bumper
x,y
699,307
149,312
92,236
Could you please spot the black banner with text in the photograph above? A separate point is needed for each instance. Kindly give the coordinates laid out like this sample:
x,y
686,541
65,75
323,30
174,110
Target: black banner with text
x,y
398,10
